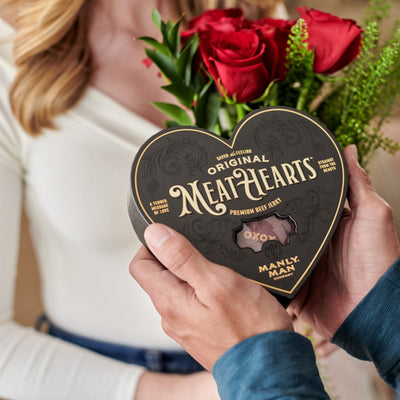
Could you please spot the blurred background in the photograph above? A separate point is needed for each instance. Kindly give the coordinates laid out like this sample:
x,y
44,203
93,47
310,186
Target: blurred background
x,y
346,378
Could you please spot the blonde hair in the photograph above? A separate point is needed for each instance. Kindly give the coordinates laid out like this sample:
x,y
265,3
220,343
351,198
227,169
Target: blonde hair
x,y
53,58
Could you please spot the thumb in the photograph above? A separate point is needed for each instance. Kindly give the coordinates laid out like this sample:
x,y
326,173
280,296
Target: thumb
x,y
176,254
360,186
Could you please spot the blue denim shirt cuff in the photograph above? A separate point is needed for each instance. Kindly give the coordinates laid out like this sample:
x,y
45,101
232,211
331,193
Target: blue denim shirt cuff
x,y
274,365
372,330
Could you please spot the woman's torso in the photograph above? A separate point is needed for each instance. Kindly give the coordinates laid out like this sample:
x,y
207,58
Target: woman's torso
x,y
76,181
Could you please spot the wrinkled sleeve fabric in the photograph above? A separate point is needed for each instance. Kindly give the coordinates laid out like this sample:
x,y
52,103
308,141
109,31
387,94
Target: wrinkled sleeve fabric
x,y
277,365
372,331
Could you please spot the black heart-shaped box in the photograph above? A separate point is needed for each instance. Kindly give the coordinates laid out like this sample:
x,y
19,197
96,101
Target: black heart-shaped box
x,y
264,202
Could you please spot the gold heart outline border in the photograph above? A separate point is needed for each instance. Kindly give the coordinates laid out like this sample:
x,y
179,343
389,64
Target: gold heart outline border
x,y
231,143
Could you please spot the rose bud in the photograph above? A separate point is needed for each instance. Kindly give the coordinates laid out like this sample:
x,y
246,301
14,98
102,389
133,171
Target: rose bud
x,y
224,20
336,42
236,62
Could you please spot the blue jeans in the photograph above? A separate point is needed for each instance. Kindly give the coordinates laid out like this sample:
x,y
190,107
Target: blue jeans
x,y
174,362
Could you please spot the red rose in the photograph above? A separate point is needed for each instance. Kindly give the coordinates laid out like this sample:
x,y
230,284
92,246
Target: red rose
x,y
275,34
236,61
223,20
336,42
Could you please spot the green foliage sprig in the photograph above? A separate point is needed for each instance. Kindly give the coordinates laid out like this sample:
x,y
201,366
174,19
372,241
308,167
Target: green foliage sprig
x,y
363,96
299,86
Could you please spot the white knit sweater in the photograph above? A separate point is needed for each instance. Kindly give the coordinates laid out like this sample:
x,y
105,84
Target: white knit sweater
x,y
73,183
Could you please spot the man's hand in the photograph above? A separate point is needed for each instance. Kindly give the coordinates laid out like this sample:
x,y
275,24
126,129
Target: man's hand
x,y
364,246
205,307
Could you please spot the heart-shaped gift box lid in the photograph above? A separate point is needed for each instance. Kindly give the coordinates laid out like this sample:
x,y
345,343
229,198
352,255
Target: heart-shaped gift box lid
x,y
264,202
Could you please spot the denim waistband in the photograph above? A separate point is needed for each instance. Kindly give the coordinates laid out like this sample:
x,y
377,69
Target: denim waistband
x,y
176,362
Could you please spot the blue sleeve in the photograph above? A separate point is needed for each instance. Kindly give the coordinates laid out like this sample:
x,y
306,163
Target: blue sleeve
x,y
275,365
372,331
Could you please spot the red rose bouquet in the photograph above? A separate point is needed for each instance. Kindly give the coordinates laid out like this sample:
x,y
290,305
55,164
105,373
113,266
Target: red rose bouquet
x,y
224,66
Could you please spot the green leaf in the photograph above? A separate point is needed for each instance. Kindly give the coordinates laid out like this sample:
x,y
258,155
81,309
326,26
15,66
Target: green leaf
x,y
156,45
207,108
164,63
205,88
266,93
185,59
174,38
182,92
165,30
240,111
171,124
156,18
175,112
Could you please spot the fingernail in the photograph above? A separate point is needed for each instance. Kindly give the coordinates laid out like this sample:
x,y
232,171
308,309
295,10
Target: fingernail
x,y
155,235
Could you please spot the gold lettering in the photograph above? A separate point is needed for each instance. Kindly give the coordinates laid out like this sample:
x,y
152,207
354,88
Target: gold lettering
x,y
229,179
277,177
289,173
246,182
257,182
299,170
222,191
282,271
280,263
264,178
208,191
263,268
306,163
195,200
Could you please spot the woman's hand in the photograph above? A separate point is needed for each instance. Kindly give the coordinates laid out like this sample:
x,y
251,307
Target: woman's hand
x,y
205,307
364,246
158,386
